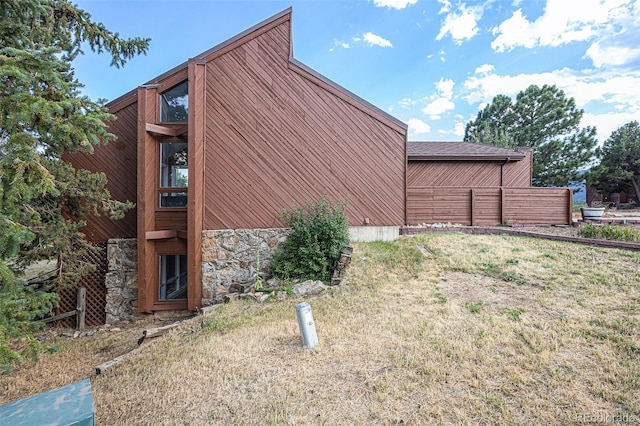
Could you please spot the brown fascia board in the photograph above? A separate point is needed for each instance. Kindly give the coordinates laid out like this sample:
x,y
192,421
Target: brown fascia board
x,y
307,72
465,158
506,154
345,94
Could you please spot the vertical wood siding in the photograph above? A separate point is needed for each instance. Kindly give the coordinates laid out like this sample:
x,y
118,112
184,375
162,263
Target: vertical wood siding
x,y
274,138
118,161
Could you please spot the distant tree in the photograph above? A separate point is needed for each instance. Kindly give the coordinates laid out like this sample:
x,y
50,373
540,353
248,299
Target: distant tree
x,y
619,167
493,124
544,119
43,115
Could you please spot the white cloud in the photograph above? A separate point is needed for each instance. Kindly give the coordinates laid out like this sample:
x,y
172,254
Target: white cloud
x,y
407,103
606,56
446,6
436,108
607,123
564,22
459,128
375,40
418,127
369,38
461,26
484,69
339,44
394,4
441,102
445,87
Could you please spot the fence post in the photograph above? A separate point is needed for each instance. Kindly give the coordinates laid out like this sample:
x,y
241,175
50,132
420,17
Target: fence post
x,y
472,207
570,206
502,209
81,308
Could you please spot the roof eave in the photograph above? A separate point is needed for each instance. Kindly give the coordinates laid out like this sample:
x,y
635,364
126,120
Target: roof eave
x,y
348,94
512,158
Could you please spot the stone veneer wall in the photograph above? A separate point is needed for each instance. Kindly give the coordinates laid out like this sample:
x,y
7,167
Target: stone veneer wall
x,y
122,280
229,256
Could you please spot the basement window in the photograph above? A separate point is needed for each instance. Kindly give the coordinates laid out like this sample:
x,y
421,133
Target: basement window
x,y
174,104
173,277
174,175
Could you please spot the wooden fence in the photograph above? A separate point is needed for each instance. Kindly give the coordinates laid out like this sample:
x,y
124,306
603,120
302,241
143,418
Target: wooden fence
x,y
489,206
96,292
79,312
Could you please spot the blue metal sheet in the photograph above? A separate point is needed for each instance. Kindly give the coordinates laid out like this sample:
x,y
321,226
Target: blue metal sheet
x,y
69,405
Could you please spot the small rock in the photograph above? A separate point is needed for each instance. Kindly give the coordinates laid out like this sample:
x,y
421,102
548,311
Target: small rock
x,y
229,297
263,297
281,295
114,329
76,334
309,287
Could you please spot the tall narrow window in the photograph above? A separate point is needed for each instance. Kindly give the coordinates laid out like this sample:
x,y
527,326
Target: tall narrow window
x,y
174,104
174,174
173,277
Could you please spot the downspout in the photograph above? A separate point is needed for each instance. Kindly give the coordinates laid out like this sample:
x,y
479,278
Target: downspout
x,y
502,170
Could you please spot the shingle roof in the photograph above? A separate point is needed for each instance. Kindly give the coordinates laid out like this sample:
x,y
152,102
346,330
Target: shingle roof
x,y
461,151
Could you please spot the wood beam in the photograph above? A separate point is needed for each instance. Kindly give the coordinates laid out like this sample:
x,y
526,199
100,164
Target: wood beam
x,y
146,165
161,235
195,198
164,130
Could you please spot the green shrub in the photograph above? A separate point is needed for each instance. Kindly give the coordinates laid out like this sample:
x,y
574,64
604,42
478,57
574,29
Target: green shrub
x,y
609,232
319,232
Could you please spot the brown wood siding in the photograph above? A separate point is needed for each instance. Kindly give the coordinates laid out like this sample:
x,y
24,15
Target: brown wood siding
x,y
453,173
274,137
517,174
171,220
470,173
482,206
118,161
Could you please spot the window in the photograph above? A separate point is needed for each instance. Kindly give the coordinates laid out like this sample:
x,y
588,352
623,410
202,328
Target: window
x,y
174,104
173,277
174,174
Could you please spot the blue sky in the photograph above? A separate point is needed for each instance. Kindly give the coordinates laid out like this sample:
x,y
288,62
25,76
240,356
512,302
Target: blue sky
x,y
430,63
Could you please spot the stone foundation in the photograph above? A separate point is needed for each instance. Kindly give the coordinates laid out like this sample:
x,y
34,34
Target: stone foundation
x,y
122,280
230,256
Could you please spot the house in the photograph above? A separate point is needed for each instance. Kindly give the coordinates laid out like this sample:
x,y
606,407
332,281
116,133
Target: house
x,y
214,149
473,184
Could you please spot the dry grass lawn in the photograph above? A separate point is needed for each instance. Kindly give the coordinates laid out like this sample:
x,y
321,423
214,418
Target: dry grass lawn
x,y
433,329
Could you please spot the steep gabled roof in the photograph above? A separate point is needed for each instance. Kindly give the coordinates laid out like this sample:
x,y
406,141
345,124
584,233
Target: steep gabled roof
x,y
295,65
461,151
